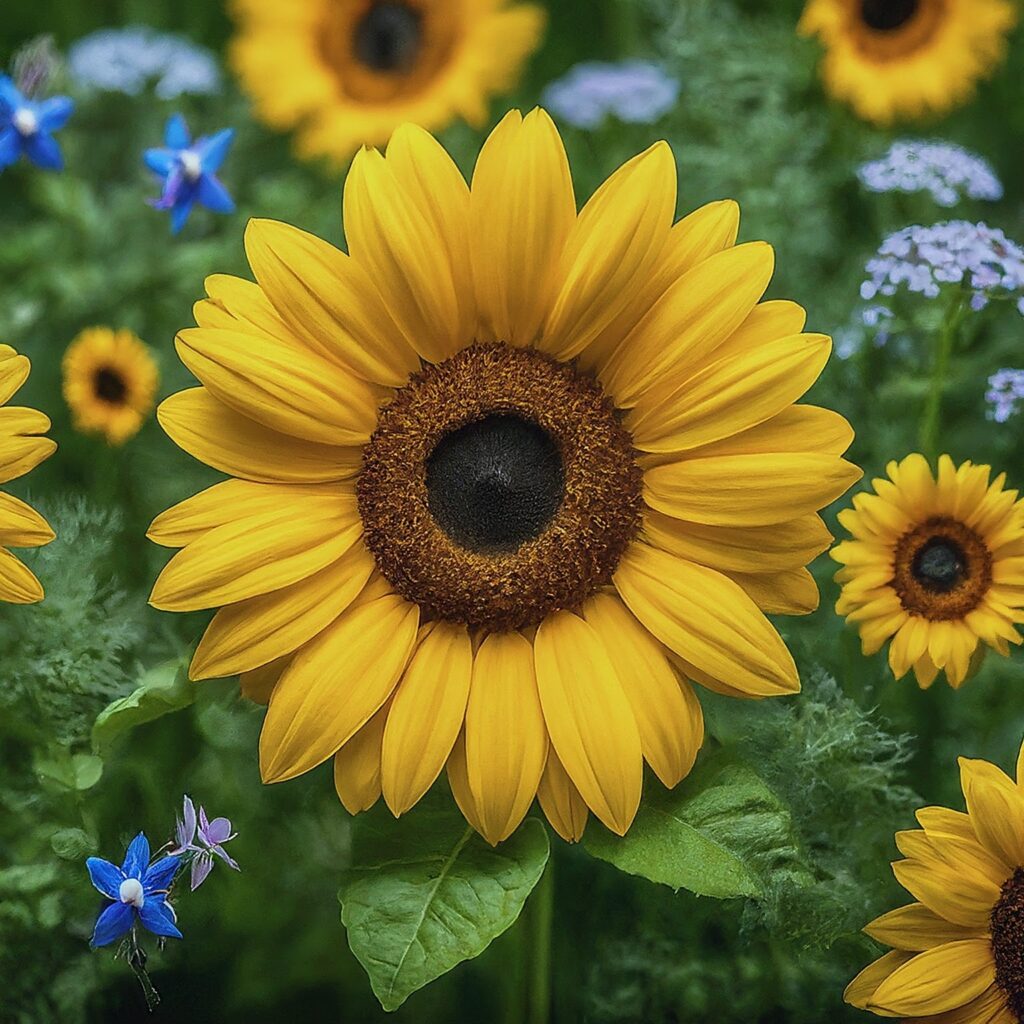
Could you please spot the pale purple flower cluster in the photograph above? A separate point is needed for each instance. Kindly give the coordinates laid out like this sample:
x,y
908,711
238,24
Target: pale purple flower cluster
x,y
1005,390
203,839
947,171
925,259
636,92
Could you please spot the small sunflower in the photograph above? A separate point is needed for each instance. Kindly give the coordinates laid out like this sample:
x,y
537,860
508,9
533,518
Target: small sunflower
x,y
957,953
22,448
110,382
893,60
347,72
934,565
508,479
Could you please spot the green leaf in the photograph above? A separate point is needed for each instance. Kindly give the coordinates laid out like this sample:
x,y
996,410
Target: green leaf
x,y
72,771
426,892
720,833
72,843
161,690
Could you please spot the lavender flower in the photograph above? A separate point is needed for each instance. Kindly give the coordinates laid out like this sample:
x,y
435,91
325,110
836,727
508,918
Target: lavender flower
x,y
211,835
947,171
1005,390
636,92
925,259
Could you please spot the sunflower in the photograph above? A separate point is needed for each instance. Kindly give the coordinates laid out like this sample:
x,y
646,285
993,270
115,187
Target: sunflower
x,y
348,72
22,448
956,956
897,59
935,565
110,382
508,479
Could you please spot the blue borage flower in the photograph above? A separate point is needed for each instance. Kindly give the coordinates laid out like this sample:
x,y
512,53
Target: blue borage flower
x,y
946,171
139,891
636,92
27,127
1005,392
189,171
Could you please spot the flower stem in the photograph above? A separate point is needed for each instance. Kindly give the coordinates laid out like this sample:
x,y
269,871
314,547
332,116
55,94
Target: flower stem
x,y
932,418
542,910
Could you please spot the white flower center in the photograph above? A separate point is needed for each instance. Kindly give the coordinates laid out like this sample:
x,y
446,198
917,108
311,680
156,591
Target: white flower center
x,y
131,892
25,121
191,165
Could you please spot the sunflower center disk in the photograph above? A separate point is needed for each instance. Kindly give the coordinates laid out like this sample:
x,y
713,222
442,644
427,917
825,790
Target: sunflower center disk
x,y
388,37
1007,929
888,15
499,487
109,386
942,570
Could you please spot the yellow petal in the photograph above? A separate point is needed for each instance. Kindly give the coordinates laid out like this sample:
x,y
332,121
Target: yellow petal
x,y
224,439
242,305
859,992
427,713
916,928
21,526
523,209
14,371
334,685
789,592
357,766
20,455
329,301
747,490
458,780
958,896
18,585
506,741
996,809
614,245
589,718
778,318
301,395
946,822
259,554
251,633
258,684
561,802
667,712
707,620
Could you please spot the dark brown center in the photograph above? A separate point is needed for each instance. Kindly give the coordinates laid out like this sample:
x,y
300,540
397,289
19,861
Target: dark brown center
x,y
1007,930
109,386
499,487
388,37
943,569
888,15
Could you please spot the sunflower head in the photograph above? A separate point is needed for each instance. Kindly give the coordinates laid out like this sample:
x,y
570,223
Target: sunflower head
x,y
110,383
957,952
899,59
22,448
508,478
348,72
934,566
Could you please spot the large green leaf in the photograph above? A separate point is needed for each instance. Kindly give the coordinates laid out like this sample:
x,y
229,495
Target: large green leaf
x,y
161,690
426,892
721,833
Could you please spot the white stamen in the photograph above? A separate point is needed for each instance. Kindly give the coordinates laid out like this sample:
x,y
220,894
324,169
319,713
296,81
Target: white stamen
x,y
25,121
131,892
191,165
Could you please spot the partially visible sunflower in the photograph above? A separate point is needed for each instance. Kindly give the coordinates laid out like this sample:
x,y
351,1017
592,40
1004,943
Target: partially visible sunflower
x,y
22,448
894,60
110,382
936,565
510,477
346,73
958,953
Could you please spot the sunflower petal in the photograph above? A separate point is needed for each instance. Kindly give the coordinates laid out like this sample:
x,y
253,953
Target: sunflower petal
x,y
357,766
561,802
18,584
916,928
21,526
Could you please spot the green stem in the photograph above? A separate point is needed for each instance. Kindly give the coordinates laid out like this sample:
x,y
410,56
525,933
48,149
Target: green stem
x,y
932,417
542,912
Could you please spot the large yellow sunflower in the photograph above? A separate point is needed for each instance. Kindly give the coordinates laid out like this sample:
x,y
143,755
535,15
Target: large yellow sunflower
x,y
935,565
957,953
508,478
110,382
22,448
901,59
347,72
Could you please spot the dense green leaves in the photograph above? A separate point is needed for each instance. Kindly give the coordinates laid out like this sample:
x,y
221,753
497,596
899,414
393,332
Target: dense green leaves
x,y
426,893
721,833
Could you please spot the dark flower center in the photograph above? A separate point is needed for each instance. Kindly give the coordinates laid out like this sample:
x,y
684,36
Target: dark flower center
x,y
888,15
495,483
109,386
1007,929
388,37
940,565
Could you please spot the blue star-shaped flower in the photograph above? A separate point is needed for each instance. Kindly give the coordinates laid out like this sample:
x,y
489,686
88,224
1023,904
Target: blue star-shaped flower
x,y
139,891
27,127
189,171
